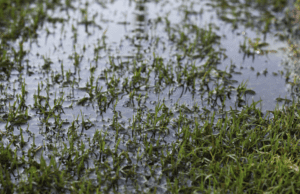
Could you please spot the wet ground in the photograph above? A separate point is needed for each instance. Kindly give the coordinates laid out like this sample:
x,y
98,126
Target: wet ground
x,y
107,88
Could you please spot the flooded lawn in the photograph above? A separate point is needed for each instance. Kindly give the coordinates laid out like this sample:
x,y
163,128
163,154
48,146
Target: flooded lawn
x,y
148,96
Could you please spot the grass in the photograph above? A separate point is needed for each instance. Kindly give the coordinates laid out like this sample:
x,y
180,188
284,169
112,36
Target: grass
x,y
52,142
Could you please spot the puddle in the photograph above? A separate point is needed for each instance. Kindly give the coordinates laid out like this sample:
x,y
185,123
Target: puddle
x,y
113,65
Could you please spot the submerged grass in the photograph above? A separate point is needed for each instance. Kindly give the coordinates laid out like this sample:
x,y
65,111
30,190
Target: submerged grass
x,y
219,144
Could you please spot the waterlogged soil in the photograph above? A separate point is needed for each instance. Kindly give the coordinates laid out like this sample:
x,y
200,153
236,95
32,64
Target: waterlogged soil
x,y
142,96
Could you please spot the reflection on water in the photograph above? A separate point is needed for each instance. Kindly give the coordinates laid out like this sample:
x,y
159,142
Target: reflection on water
x,y
131,33
140,28
111,63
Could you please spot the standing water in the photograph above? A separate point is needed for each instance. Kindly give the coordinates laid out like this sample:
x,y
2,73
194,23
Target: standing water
x,y
126,96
